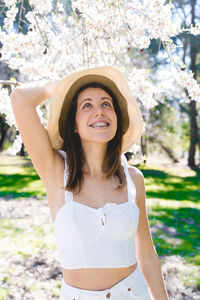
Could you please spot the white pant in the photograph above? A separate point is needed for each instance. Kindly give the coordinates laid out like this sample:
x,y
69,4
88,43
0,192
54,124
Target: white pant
x,y
133,287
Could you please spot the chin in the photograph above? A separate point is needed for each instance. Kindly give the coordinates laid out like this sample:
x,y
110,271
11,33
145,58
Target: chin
x,y
99,139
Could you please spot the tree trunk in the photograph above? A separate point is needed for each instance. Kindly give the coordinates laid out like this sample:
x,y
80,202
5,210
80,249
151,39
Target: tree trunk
x,y
2,139
193,134
144,148
22,151
3,128
192,104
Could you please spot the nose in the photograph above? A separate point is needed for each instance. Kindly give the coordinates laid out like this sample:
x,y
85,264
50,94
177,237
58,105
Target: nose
x,y
98,111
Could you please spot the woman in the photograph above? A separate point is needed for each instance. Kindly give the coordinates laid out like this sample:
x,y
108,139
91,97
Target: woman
x,y
98,209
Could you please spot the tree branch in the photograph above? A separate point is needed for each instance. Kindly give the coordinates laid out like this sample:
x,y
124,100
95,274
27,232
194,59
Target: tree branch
x,y
20,16
165,148
8,82
45,42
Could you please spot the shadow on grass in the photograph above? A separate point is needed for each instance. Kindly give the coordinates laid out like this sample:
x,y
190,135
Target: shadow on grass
x,y
17,185
176,232
170,187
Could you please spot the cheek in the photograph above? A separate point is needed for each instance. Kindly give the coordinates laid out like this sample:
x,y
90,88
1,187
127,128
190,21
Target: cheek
x,y
115,122
77,119
114,116
80,120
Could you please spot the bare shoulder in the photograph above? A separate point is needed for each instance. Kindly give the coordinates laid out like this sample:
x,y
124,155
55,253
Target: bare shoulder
x,y
136,175
138,179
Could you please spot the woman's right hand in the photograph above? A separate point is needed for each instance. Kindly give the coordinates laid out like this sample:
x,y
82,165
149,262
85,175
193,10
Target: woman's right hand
x,y
34,93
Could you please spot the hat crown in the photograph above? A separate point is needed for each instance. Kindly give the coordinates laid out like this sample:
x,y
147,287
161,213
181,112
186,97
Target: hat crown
x,y
111,77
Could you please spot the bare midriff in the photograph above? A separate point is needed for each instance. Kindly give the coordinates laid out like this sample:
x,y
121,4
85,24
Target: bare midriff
x,y
96,279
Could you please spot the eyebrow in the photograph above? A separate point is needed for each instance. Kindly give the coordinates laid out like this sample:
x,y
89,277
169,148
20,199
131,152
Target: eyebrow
x,y
102,98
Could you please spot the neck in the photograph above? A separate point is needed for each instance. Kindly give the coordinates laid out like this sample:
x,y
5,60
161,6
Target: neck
x,y
94,156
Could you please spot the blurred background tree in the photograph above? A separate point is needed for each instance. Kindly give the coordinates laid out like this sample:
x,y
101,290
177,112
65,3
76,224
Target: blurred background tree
x,y
186,122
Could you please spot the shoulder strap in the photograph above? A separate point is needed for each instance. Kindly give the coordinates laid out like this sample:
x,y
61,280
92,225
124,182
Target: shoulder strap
x,y
130,184
68,195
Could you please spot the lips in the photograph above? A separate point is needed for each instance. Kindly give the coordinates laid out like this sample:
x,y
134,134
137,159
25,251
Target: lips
x,y
99,124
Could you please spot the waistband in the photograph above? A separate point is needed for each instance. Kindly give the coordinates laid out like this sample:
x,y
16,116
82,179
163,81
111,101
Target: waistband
x,y
82,294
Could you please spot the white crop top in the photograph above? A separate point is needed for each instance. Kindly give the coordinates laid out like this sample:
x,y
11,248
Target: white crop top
x,y
102,237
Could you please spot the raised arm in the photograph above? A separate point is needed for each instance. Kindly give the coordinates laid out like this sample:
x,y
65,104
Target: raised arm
x,y
24,101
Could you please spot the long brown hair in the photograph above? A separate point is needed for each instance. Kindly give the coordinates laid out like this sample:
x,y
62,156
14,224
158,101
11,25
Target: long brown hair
x,y
75,155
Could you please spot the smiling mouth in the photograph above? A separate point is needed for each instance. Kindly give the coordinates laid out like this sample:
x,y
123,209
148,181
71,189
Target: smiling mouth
x,y
100,125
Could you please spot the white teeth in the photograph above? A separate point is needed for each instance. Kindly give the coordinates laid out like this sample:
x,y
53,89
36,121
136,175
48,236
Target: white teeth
x,y
100,124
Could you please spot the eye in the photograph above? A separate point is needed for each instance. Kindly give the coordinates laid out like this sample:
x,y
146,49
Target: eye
x,y
106,104
86,105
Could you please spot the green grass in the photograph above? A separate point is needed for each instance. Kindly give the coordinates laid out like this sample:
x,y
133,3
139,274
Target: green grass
x,y
163,184
174,206
19,179
173,201
25,237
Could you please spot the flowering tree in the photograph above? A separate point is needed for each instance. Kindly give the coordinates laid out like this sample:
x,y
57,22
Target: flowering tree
x,y
47,40
184,13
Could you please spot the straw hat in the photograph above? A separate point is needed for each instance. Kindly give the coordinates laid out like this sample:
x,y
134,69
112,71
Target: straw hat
x,y
132,123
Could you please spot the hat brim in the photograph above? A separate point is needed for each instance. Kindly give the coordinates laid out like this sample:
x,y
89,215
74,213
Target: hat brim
x,y
62,96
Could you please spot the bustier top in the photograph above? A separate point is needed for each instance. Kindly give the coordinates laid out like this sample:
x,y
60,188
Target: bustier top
x,y
104,237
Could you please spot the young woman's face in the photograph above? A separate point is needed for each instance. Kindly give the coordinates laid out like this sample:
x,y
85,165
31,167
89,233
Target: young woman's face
x,y
96,120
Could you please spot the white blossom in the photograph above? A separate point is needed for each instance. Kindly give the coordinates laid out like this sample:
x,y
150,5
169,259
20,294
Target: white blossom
x,y
10,18
5,107
44,6
186,80
10,2
16,146
41,116
141,87
195,30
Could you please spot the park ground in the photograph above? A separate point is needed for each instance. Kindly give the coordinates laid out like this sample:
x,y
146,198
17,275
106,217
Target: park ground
x,y
29,267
